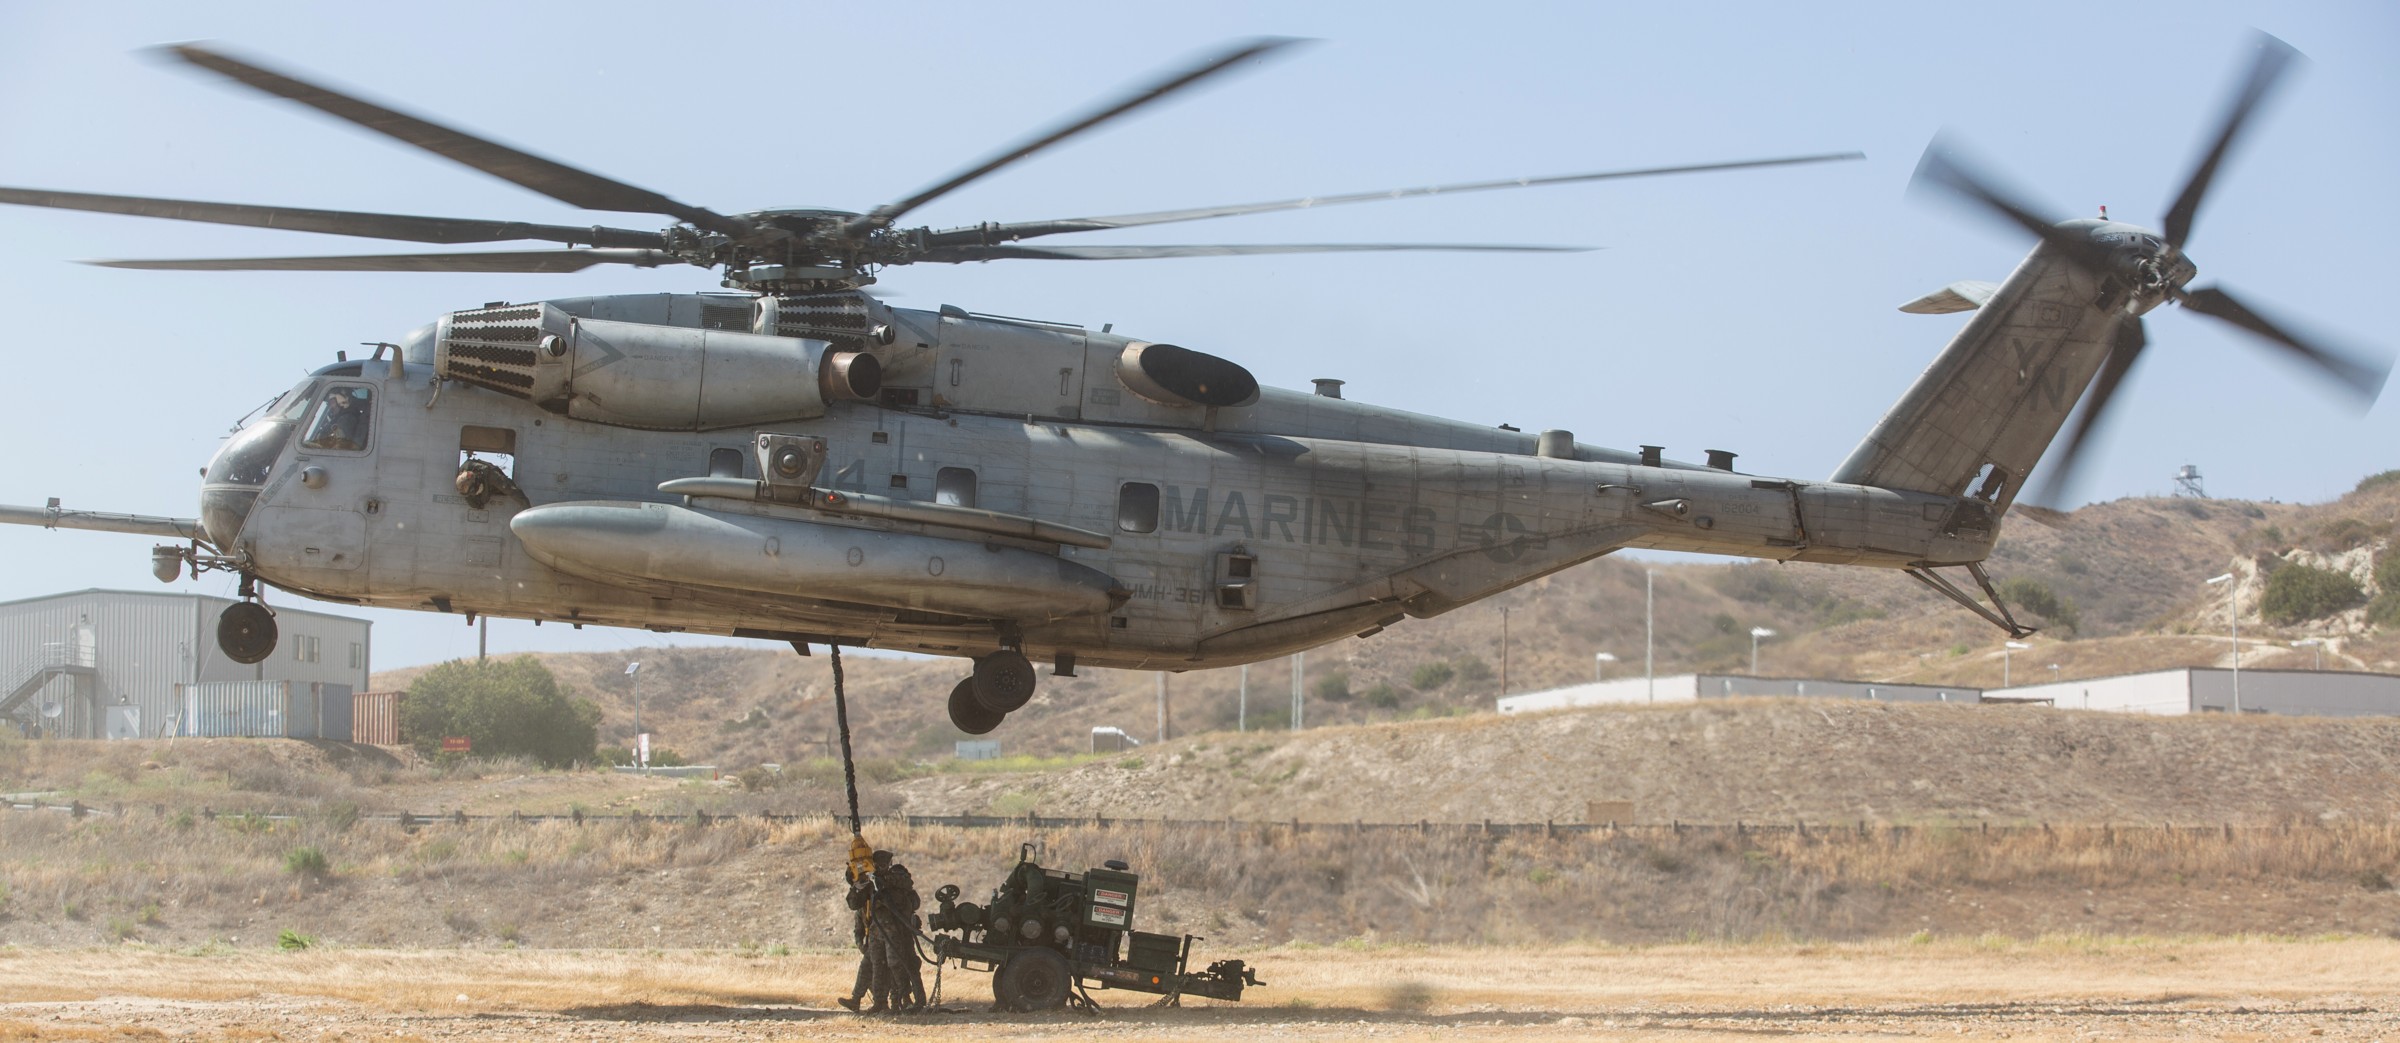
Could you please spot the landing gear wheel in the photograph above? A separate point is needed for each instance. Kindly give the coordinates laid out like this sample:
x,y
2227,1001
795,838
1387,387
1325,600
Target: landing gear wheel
x,y
1003,681
968,712
246,632
1035,979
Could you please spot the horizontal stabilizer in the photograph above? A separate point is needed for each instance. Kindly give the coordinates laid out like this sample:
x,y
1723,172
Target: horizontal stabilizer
x,y
1965,295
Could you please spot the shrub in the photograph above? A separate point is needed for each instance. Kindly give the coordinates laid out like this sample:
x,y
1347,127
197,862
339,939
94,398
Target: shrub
x,y
2379,479
1472,669
1383,696
2387,571
1430,676
2343,534
2036,597
505,706
306,861
290,940
1334,687
2303,592
757,777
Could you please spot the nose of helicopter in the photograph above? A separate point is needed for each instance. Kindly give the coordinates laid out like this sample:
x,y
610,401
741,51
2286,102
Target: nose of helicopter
x,y
222,512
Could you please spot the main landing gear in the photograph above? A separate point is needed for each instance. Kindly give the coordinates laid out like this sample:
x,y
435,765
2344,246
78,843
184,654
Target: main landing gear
x,y
1001,684
246,631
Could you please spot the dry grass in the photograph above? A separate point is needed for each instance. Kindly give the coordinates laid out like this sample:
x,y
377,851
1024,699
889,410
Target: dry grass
x,y
187,881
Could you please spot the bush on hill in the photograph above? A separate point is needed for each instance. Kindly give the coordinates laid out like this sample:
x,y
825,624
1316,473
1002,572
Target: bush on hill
x,y
2298,593
504,707
2036,597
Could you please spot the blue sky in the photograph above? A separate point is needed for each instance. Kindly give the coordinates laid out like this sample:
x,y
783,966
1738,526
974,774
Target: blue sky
x,y
1748,311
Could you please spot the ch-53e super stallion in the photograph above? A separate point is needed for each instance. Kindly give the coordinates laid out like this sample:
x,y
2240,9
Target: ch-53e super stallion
x,y
799,461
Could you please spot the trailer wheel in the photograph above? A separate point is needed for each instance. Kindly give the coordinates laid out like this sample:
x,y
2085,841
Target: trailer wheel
x,y
1035,979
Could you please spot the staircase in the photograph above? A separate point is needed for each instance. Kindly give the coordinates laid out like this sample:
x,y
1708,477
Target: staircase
x,y
59,659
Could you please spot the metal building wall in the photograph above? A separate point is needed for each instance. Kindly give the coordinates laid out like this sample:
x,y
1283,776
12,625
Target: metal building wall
x,y
2298,692
149,642
1731,686
2160,692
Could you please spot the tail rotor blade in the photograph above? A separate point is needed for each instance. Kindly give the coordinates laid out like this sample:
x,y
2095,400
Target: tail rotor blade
x,y
2123,352
1937,168
2275,59
2361,378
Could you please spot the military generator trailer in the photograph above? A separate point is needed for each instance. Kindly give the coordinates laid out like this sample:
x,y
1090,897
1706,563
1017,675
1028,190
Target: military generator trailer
x,y
1045,930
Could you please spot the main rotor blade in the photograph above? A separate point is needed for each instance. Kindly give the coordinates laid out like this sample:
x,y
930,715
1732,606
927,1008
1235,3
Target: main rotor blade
x,y
998,252
2275,58
884,215
2123,352
331,222
1016,230
2363,379
549,177
539,261
1937,168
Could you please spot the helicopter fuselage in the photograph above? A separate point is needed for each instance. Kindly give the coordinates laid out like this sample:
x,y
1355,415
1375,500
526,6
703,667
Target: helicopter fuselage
x,y
1009,484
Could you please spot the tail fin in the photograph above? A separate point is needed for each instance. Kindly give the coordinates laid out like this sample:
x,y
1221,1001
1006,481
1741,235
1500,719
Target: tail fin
x,y
1977,421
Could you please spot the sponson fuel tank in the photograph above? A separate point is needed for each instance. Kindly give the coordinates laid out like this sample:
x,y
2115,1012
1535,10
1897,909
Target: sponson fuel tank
x,y
616,540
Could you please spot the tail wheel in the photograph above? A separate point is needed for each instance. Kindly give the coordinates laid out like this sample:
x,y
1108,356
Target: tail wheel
x,y
968,712
246,632
1003,681
1034,979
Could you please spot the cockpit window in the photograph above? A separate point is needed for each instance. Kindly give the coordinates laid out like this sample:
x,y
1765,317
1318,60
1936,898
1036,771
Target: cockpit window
x,y
341,419
247,458
290,404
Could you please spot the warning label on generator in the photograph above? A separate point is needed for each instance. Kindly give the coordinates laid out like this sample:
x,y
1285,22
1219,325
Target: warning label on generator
x,y
1108,915
1112,897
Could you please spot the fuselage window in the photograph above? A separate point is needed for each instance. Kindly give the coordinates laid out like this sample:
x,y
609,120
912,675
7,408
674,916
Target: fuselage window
x,y
1137,507
342,419
954,486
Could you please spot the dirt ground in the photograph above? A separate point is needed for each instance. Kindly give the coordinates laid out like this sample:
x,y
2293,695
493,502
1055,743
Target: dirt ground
x,y
2069,988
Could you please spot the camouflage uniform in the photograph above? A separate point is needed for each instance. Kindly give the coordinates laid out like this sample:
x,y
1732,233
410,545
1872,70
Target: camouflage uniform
x,y
892,936
887,927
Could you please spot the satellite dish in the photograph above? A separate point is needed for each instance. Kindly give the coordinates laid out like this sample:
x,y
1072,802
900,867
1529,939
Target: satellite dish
x,y
53,710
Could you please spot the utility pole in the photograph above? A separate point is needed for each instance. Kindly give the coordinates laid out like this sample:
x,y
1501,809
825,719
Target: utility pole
x,y
483,633
634,670
1299,694
1650,631
1504,651
1162,706
1241,709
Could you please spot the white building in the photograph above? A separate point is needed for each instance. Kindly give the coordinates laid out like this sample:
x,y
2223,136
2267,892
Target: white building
x,y
97,663
1685,688
2210,690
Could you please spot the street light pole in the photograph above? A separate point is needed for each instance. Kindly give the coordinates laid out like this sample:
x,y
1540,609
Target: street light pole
x,y
1650,631
2233,612
2315,644
634,670
1755,634
1241,710
2007,647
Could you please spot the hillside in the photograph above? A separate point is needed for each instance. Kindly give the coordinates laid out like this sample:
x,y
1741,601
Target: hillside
x,y
2131,571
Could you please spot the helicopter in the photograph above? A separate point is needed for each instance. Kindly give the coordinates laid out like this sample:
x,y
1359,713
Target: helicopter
x,y
798,460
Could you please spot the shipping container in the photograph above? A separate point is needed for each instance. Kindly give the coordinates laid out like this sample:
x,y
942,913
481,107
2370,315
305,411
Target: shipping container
x,y
375,718
334,710
254,709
